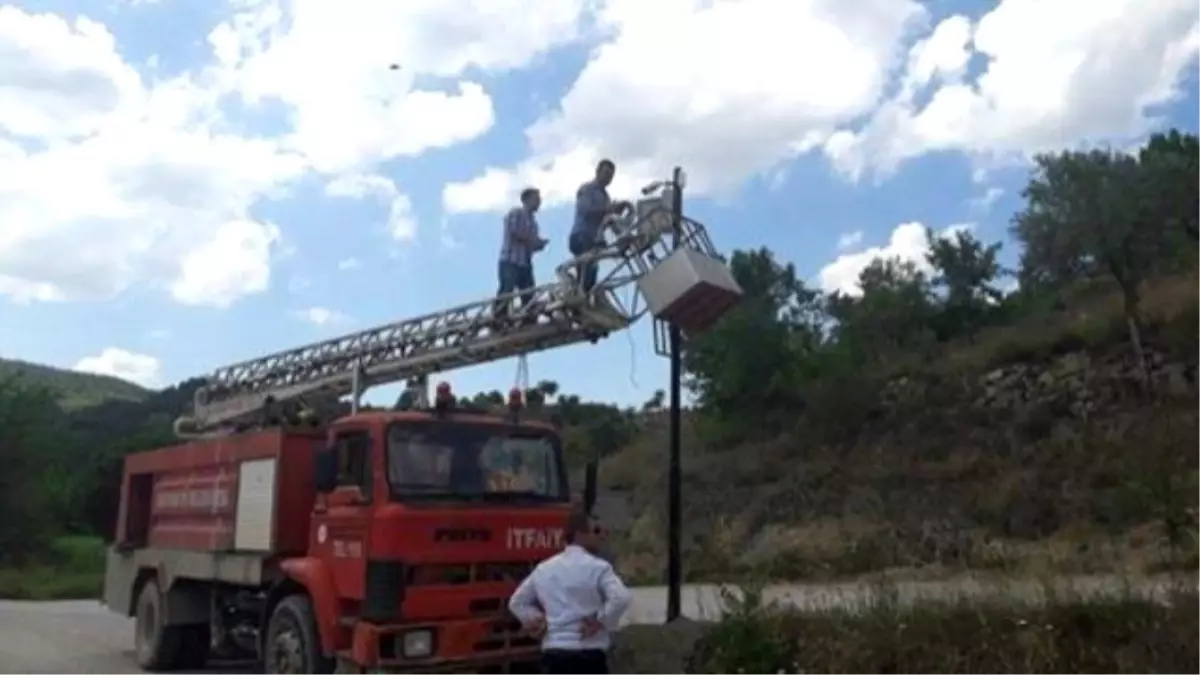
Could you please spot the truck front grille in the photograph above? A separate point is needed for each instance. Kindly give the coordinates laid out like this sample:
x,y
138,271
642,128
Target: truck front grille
x,y
505,633
384,594
428,575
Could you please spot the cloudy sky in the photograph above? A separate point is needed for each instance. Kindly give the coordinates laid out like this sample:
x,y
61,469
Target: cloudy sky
x,y
186,183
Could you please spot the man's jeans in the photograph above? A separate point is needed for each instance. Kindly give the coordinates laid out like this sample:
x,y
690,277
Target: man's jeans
x,y
580,243
514,277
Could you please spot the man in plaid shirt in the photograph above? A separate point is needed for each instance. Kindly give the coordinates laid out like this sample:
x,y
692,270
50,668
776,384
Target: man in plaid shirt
x,y
521,241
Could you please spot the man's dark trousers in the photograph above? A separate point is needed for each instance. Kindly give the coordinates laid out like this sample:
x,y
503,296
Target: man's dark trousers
x,y
580,243
574,661
514,277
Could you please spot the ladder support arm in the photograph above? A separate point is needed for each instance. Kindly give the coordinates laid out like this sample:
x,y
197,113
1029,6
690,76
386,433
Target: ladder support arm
x,y
558,314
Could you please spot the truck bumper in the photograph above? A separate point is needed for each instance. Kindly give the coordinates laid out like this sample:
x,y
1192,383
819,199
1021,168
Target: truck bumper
x,y
492,645
531,666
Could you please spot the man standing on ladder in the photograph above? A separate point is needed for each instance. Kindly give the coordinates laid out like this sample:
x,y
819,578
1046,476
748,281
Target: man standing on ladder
x,y
592,206
521,241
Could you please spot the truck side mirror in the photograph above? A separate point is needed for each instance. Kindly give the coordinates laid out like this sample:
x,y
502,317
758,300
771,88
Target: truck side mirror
x,y
325,470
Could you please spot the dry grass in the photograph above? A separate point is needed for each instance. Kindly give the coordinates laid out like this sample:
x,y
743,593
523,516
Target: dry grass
x,y
1089,316
1063,635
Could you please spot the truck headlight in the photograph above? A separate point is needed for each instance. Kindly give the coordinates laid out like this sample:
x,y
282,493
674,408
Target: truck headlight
x,y
417,644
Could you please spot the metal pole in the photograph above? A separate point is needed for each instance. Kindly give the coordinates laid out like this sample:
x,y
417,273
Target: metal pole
x,y
674,472
356,389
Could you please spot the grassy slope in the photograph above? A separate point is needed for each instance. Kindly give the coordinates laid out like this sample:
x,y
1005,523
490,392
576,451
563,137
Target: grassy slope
x,y
74,390
1000,494
1121,634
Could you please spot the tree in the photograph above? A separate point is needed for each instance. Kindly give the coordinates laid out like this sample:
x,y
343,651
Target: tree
x,y
1090,213
745,370
29,433
655,402
965,270
549,388
891,315
1171,161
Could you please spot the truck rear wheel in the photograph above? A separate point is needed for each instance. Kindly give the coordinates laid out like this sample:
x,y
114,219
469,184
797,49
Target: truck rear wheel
x,y
158,645
292,644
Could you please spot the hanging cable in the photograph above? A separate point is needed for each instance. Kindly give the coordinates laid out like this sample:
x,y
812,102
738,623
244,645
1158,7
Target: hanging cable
x,y
632,344
522,379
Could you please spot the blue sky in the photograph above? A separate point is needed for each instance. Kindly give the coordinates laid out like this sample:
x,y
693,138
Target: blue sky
x,y
897,121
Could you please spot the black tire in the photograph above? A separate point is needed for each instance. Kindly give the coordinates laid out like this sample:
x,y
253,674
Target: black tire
x,y
293,644
195,645
157,644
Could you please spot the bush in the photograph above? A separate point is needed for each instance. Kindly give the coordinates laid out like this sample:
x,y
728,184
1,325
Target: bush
x,y
72,568
1071,634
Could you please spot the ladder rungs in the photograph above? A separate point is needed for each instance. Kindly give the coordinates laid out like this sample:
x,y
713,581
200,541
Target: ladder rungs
x,y
558,314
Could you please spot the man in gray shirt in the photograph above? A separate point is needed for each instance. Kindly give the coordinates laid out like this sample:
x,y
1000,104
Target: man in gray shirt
x,y
521,241
592,205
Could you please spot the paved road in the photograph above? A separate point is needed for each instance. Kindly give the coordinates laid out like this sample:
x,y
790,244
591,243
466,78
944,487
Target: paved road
x,y
83,637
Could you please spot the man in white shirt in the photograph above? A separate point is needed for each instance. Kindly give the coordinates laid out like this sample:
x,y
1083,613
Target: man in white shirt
x,y
575,601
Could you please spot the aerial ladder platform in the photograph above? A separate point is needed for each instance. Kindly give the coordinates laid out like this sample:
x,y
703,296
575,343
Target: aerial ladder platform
x,y
677,276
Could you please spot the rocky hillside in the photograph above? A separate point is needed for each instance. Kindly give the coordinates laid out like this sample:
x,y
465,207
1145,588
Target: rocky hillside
x,y
1034,447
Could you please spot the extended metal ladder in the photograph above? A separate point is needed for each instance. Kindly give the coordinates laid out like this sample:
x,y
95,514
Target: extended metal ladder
x,y
635,245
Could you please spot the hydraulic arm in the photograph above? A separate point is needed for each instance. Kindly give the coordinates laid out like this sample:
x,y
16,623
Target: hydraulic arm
x,y
637,255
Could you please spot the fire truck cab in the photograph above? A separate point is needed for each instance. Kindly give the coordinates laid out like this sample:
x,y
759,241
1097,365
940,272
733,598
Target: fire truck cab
x,y
390,543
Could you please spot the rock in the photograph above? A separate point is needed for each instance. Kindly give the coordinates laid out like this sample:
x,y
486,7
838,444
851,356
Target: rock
x,y
1175,379
1076,383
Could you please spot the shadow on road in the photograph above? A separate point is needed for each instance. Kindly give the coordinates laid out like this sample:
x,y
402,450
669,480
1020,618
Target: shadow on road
x,y
214,666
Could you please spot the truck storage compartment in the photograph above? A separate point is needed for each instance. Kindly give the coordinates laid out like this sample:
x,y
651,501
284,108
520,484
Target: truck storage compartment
x,y
251,492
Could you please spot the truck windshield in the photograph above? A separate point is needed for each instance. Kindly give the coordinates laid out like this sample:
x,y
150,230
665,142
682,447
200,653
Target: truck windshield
x,y
472,461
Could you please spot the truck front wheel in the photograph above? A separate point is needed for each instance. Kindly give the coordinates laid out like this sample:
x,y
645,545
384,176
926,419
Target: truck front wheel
x,y
292,644
158,645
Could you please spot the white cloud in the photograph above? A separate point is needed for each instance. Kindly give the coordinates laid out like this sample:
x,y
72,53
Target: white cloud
x,y
850,239
361,185
329,63
25,291
137,368
732,89
984,202
727,89
401,222
347,264
446,235
321,316
105,182
1057,74
907,242
109,180
232,264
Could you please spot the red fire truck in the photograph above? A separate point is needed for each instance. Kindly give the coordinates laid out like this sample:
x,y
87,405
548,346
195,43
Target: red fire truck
x,y
383,540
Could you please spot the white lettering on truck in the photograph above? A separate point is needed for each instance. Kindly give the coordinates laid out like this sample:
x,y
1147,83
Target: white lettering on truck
x,y
534,537
175,500
347,548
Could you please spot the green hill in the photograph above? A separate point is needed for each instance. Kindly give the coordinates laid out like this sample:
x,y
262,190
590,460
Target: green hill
x,y
74,390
